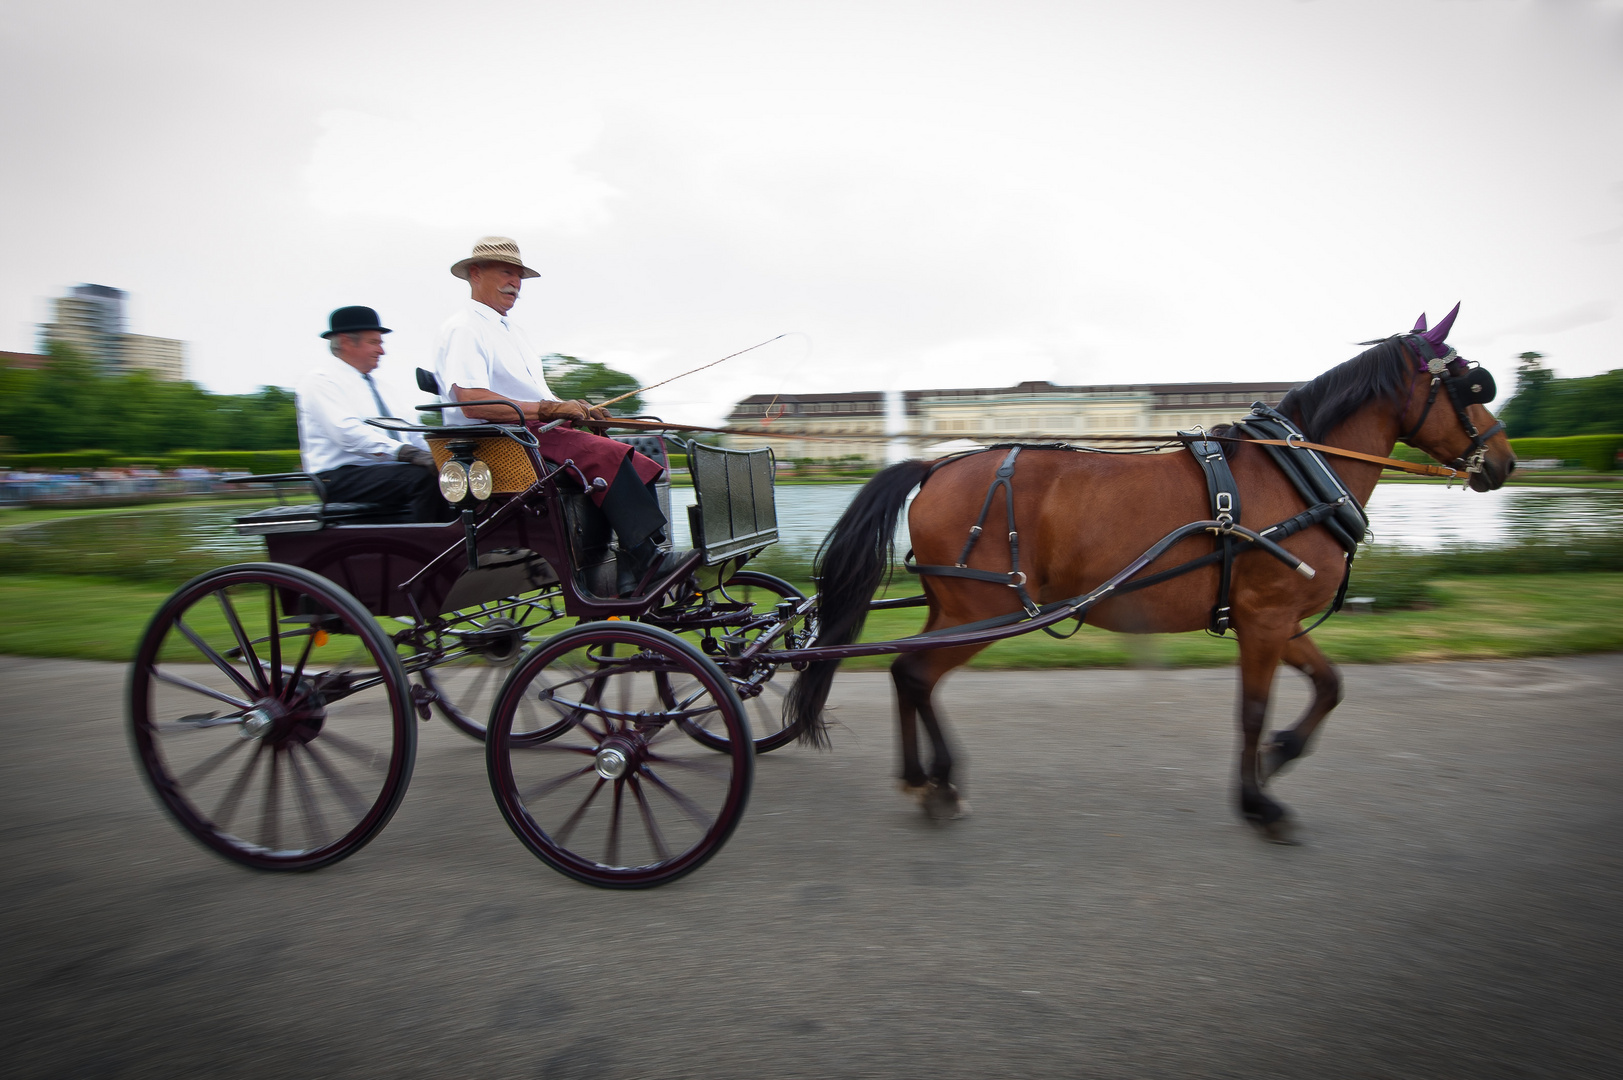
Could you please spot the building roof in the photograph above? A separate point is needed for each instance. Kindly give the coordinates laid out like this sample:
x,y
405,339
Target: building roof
x,y
1161,395
31,361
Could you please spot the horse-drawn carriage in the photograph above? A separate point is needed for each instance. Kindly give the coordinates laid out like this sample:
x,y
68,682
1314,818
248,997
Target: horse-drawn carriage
x,y
274,705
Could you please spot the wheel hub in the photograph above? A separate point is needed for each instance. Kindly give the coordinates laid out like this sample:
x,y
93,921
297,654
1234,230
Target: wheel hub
x,y
618,756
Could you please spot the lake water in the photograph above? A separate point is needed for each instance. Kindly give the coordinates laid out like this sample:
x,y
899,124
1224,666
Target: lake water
x,y
170,544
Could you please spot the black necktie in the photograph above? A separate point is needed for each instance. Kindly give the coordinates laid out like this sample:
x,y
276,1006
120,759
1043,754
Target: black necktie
x,y
383,410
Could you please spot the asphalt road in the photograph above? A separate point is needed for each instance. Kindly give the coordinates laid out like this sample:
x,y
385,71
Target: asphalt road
x,y
1454,910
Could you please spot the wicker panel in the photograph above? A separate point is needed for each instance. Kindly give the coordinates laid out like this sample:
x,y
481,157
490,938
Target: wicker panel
x,y
509,463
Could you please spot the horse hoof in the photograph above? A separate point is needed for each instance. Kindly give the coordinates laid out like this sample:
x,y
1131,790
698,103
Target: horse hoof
x,y
941,801
1281,830
1280,753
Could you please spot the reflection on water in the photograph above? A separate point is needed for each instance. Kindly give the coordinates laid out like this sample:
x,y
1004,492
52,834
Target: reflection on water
x,y
172,543
1429,517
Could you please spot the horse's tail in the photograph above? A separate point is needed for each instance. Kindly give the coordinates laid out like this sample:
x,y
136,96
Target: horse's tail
x,y
852,562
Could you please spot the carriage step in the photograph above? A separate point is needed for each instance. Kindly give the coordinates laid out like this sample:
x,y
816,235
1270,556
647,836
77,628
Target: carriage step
x,y
306,517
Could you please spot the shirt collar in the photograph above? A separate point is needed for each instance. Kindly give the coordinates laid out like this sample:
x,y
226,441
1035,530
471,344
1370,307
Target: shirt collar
x,y
485,311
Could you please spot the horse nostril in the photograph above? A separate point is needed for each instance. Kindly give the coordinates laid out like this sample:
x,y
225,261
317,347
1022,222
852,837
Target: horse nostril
x,y
1510,466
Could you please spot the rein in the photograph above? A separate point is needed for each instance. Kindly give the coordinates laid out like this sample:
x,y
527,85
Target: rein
x,y
1385,462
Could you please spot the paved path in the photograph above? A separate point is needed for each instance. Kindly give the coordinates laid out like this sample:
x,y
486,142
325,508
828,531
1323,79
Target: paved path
x,y
1454,912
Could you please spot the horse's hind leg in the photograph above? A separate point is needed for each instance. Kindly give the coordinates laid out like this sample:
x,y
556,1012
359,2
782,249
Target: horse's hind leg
x,y
1289,744
1260,653
915,676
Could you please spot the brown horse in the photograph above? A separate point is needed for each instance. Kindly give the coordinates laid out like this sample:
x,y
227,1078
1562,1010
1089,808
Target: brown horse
x,y
1083,517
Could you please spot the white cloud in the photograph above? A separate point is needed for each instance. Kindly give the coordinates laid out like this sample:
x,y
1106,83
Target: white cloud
x,y
454,169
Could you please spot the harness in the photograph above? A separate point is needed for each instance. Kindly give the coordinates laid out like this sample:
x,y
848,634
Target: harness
x,y
1232,538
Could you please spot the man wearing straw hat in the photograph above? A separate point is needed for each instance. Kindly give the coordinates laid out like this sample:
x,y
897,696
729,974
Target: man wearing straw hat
x,y
482,356
355,461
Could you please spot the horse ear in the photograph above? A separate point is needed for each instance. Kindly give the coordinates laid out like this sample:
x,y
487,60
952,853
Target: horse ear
x,y
1420,323
1438,333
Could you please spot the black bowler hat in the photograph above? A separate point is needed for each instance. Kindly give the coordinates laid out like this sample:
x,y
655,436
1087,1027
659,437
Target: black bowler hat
x,y
354,320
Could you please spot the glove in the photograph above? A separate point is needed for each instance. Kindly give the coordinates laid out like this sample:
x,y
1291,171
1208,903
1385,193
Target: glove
x,y
415,456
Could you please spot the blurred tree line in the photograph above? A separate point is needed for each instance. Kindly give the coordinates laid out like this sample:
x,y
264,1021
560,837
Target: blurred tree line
x,y
574,379
1545,406
69,404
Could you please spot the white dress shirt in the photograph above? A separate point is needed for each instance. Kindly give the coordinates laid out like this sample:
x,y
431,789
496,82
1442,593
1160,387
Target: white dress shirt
x,y
334,403
481,348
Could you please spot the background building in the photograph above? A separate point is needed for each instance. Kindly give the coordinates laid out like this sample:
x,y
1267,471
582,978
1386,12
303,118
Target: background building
x,y
873,425
91,320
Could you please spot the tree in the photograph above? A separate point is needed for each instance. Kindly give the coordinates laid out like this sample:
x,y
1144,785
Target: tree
x,y
1524,413
571,378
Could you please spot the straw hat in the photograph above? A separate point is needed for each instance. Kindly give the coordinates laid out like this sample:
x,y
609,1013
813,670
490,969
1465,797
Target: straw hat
x,y
493,249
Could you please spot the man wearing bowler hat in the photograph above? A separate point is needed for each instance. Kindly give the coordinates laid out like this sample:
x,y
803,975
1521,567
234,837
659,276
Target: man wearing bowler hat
x,y
482,356
355,461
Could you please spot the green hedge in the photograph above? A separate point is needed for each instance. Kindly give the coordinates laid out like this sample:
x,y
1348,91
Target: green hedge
x,y
1592,453
254,461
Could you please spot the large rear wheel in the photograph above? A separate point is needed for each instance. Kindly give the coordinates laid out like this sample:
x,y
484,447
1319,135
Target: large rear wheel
x,y
593,764
271,717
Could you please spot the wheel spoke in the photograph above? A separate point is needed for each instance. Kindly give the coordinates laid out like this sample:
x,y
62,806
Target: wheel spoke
x,y
228,807
198,688
654,836
248,655
365,755
217,660
298,669
709,765
568,827
209,764
271,824
275,642
313,821
547,787
692,809
338,782
611,850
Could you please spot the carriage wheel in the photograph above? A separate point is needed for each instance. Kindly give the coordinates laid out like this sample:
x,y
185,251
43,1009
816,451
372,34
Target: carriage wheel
x,y
762,689
271,716
593,767
485,642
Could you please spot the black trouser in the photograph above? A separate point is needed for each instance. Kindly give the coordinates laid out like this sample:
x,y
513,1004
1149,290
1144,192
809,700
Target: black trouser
x,y
393,485
633,509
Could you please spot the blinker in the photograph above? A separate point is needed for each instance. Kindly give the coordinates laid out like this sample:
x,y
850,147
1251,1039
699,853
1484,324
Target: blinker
x,y
1476,386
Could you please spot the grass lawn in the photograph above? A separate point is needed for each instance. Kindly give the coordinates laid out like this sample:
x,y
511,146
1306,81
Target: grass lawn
x,y
10,516
1482,617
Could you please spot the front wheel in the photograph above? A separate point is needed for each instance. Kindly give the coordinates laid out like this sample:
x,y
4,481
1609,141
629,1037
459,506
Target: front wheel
x,y
271,716
593,764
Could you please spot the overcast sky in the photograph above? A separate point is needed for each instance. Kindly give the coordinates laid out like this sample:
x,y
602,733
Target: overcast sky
x,y
934,194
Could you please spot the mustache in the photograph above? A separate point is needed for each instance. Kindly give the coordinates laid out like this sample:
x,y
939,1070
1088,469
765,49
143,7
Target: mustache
x,y
508,290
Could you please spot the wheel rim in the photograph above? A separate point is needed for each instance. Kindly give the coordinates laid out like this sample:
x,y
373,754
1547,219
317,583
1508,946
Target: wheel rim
x,y
269,714
592,766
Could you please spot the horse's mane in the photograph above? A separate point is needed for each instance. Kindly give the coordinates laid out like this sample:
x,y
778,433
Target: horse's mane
x,y
1318,406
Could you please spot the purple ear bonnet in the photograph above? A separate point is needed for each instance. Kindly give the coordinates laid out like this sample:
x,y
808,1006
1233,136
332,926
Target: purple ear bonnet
x,y
1420,323
1436,335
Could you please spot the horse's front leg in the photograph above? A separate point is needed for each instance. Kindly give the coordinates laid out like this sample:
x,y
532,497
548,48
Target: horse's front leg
x,y
1260,653
1289,744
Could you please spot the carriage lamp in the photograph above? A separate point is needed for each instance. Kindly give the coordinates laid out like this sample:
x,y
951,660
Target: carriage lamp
x,y
480,481
464,475
454,481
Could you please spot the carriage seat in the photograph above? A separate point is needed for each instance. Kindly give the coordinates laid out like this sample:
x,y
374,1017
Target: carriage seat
x,y
312,517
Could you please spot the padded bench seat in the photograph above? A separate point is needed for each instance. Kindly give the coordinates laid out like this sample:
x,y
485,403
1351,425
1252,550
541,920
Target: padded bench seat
x,y
311,517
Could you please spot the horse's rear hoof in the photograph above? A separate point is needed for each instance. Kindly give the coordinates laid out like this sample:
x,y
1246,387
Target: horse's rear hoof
x,y
1281,830
941,802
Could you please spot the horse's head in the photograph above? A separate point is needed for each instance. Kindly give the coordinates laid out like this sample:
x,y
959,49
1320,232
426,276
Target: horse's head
x,y
1463,433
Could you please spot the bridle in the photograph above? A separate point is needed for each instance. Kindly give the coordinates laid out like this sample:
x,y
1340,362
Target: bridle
x,y
1467,384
